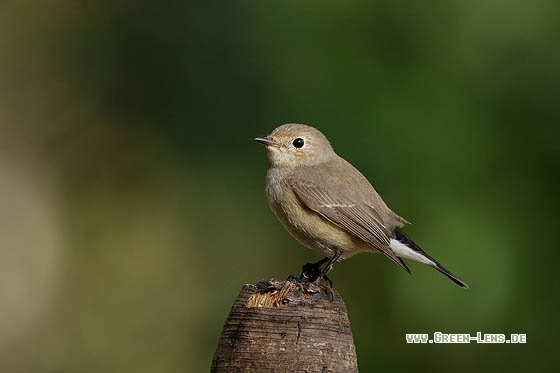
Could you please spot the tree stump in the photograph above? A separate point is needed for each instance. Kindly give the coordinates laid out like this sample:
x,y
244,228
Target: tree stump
x,y
286,326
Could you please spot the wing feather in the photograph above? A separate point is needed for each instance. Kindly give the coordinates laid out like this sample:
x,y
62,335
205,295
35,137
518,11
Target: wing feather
x,y
356,217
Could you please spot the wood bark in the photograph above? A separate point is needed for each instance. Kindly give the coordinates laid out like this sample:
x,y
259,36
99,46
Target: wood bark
x,y
286,326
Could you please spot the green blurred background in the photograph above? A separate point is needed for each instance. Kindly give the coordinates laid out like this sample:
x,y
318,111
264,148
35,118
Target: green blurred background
x,y
132,205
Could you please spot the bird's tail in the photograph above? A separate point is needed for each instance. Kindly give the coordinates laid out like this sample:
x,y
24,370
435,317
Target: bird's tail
x,y
404,247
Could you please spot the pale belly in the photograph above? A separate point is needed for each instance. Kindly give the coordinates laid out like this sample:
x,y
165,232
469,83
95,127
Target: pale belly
x,y
310,228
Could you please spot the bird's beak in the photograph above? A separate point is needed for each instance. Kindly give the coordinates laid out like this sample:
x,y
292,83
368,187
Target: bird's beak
x,y
267,142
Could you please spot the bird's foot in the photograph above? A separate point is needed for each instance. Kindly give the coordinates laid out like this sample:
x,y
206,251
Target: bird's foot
x,y
313,272
314,275
310,272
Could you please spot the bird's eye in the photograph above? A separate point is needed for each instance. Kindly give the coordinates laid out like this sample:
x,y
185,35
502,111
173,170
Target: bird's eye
x,y
298,143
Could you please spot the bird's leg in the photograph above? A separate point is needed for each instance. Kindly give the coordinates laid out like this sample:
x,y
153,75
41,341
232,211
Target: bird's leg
x,y
311,271
328,267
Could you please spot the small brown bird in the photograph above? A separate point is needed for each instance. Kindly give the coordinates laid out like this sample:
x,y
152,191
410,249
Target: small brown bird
x,y
329,206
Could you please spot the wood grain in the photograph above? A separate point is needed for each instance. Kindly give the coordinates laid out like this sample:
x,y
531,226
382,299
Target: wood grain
x,y
286,326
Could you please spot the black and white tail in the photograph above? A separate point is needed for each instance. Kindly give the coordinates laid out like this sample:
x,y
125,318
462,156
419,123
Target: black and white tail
x,y
405,248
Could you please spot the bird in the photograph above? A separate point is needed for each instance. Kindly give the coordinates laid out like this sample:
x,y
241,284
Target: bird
x,y
329,206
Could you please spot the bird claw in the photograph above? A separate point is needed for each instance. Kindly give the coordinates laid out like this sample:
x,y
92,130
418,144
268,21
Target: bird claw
x,y
310,272
313,273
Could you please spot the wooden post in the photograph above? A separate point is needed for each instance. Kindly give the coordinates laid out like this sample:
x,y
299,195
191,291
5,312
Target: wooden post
x,y
286,326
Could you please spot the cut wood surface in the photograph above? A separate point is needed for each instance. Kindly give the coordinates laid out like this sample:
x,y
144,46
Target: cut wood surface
x,y
286,326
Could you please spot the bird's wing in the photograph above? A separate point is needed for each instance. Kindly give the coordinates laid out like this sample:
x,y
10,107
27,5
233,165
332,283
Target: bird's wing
x,y
357,218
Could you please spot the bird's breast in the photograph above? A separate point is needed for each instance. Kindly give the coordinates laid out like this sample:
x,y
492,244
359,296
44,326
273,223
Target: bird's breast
x,y
304,224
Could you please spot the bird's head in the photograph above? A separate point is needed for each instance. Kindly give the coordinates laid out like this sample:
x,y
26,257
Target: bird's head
x,y
292,145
